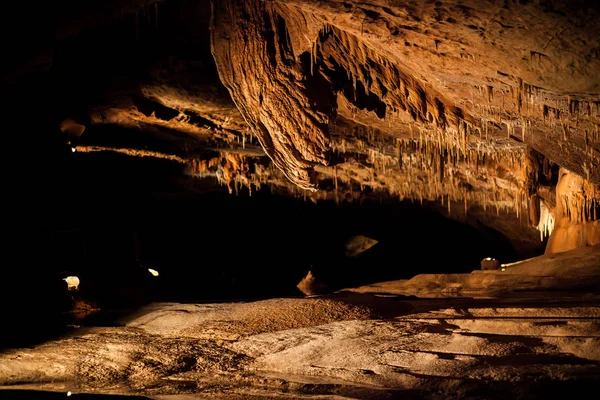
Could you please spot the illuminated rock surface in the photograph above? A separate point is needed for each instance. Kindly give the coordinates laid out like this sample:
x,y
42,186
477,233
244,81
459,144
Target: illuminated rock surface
x,y
470,105
131,129
523,341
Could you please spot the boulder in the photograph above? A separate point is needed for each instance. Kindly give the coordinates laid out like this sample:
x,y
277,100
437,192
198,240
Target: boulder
x,y
490,264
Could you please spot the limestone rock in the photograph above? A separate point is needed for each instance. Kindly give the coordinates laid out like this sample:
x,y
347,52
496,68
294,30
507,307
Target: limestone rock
x,y
311,285
490,264
577,211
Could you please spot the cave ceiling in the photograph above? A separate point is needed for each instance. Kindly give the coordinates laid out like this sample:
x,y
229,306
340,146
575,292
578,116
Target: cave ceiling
x,y
469,106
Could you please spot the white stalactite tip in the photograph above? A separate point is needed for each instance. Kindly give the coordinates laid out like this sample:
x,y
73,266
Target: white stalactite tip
x,y
546,224
153,272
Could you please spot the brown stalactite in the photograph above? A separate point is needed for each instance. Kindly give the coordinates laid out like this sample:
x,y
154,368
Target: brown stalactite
x,y
473,60
308,53
371,81
261,59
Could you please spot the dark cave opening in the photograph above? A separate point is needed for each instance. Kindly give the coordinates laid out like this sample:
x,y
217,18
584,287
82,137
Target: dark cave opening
x,y
109,217
108,199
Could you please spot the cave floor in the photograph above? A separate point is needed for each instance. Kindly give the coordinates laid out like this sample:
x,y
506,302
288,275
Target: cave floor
x,y
362,343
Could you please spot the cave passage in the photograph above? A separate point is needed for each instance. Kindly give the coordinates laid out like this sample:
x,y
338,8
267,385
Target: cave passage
x,y
112,217
209,244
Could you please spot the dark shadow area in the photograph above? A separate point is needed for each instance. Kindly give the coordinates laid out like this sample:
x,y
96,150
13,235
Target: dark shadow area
x,y
40,394
108,218
113,56
497,390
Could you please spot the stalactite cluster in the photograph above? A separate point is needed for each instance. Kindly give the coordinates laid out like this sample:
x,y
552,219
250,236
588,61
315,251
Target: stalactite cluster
x,y
578,199
314,66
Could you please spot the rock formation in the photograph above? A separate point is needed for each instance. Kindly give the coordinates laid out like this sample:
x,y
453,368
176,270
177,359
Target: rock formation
x,y
576,214
487,85
470,107
149,116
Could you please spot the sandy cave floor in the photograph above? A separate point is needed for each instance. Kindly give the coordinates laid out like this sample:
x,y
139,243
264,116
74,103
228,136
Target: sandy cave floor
x,y
537,343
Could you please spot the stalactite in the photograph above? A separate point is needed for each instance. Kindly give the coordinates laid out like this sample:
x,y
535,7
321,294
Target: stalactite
x,y
546,222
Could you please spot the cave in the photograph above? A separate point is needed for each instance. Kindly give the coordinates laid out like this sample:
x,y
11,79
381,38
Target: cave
x,y
301,199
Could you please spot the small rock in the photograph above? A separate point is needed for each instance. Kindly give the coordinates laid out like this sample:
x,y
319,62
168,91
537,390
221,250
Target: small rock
x,y
359,244
311,285
490,264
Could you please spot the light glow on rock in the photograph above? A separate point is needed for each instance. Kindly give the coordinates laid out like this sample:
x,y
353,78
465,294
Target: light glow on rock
x,y
72,282
546,225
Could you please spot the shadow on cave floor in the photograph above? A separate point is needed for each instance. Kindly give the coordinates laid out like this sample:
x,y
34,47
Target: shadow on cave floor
x,y
388,306
469,390
17,394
